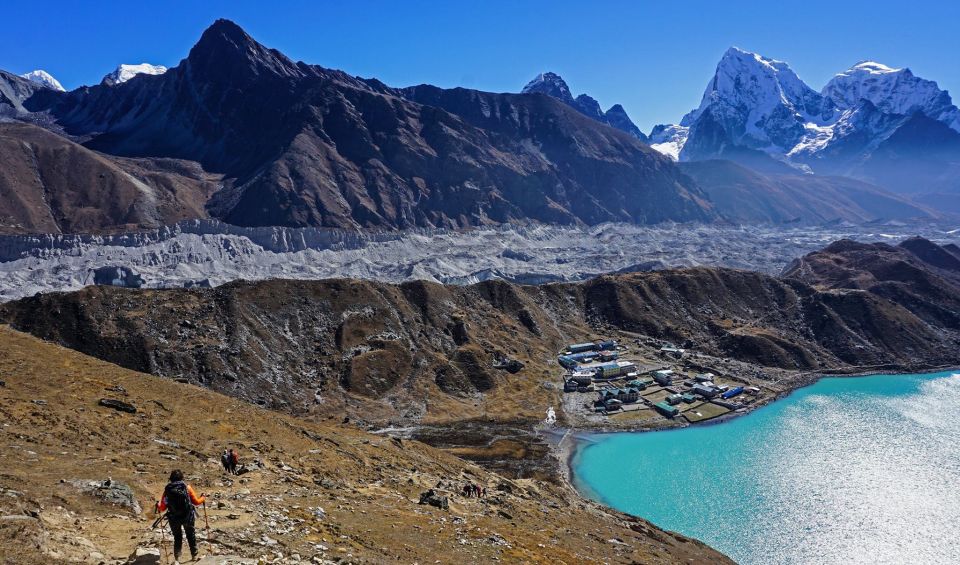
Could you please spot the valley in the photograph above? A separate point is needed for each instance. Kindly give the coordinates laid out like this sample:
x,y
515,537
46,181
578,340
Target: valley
x,y
409,305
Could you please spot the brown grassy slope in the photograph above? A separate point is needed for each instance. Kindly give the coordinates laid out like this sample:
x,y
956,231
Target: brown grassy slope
x,y
53,431
49,184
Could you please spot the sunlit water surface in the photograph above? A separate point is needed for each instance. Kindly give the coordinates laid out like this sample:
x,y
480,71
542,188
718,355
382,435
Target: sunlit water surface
x,y
849,470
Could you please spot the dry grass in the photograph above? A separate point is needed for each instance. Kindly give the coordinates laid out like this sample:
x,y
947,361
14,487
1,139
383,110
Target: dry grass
x,y
371,482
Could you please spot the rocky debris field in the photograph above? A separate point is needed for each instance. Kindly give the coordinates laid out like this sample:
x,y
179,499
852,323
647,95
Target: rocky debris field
x,y
314,493
207,252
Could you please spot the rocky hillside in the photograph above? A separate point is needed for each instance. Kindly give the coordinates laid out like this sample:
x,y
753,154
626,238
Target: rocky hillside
x,y
49,184
921,276
79,480
301,145
427,353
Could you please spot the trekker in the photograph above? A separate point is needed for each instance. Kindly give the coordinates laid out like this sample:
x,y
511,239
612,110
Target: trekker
x,y
234,461
178,500
225,460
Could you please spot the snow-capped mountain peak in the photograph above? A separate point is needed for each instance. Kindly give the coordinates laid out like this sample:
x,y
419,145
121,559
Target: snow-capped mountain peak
x,y
892,91
872,67
756,102
123,73
43,78
550,84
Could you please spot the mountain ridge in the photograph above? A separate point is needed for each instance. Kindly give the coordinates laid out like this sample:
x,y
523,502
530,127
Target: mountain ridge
x,y
852,127
300,145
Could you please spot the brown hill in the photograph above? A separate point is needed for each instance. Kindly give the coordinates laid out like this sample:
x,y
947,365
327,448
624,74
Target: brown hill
x,y
322,492
918,274
424,353
50,184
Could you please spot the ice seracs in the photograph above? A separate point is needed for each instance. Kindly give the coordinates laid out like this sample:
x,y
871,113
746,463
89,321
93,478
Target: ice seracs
x,y
43,78
123,73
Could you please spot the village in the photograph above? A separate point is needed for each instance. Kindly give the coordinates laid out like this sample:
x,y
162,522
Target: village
x,y
607,381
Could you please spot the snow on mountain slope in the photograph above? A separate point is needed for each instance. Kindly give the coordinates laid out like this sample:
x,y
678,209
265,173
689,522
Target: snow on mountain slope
x,y
760,103
669,139
754,105
893,91
123,73
44,78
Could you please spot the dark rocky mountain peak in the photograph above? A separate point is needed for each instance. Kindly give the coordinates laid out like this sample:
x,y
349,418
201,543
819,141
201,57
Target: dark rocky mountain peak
x,y
225,49
617,117
589,107
550,84
553,85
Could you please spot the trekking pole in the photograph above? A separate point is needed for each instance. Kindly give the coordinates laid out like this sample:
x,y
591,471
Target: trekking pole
x,y
206,521
163,538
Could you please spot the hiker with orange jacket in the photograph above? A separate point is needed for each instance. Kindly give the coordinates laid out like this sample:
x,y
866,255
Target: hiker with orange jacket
x,y
178,501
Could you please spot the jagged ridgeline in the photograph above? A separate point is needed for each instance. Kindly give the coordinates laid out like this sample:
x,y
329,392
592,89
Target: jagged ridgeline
x,y
291,144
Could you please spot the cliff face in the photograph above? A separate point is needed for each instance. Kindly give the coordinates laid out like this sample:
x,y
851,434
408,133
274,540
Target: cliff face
x,y
424,353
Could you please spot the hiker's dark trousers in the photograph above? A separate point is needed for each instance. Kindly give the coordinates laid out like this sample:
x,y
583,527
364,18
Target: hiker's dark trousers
x,y
180,525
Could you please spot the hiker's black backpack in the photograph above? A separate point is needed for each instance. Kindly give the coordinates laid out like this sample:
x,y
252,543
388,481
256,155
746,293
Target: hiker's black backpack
x,y
178,501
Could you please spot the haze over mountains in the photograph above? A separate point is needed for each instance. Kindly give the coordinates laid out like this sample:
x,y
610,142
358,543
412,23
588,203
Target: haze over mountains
x,y
286,143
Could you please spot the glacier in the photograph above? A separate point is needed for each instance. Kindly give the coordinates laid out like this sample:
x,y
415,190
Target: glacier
x,y
208,252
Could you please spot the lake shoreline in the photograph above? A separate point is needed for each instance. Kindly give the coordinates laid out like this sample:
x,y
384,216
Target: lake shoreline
x,y
567,451
578,441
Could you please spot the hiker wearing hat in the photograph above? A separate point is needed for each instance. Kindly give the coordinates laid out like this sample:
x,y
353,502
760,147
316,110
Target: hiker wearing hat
x,y
178,501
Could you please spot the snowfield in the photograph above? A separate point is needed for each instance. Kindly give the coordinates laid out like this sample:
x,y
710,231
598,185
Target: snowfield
x,y
209,252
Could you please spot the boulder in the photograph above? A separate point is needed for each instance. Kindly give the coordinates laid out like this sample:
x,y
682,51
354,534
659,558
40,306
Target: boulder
x,y
433,499
118,405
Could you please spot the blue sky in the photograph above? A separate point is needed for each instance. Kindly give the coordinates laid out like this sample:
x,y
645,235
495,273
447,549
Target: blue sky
x,y
655,58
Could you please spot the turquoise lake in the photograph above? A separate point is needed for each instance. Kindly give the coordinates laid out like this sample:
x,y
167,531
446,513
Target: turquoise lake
x,y
848,470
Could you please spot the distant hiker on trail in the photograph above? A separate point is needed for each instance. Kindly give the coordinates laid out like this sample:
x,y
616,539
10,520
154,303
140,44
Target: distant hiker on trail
x,y
225,460
467,490
178,501
234,461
